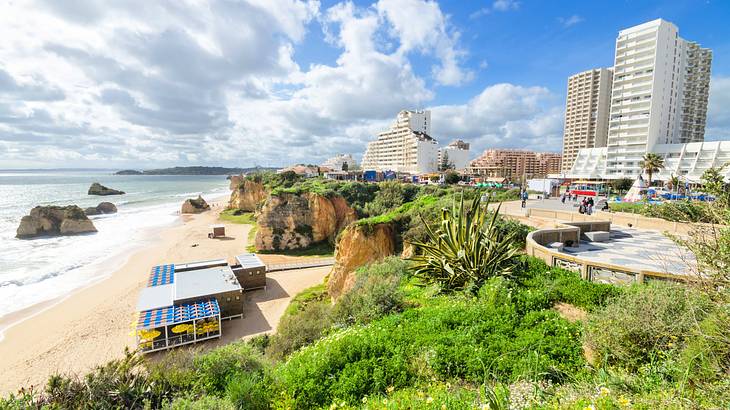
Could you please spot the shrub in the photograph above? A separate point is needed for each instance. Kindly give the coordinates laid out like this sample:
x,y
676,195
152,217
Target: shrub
x,y
465,250
203,403
375,294
216,368
391,195
645,323
250,392
707,354
300,329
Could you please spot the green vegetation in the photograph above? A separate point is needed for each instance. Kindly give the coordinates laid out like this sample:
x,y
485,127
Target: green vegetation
x,y
238,217
622,185
466,249
674,211
320,249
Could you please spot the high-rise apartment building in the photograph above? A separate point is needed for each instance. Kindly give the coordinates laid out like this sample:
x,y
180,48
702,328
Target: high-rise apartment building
x,y
405,147
587,106
514,164
659,94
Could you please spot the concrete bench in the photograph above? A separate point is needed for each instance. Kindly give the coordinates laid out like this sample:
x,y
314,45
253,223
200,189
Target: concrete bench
x,y
597,236
556,245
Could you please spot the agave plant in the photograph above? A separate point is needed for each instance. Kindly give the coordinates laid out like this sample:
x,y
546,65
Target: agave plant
x,y
466,249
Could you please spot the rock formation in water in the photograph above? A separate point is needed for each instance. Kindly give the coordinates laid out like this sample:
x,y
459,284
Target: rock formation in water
x,y
358,245
99,189
54,220
246,195
195,206
102,208
297,221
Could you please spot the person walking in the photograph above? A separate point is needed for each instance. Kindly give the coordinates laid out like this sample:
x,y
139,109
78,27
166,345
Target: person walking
x,y
589,206
524,199
562,198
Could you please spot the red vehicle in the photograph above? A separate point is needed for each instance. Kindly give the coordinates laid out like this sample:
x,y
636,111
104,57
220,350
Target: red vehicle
x,y
587,188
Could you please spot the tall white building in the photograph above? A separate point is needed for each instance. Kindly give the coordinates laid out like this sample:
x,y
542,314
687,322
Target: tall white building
x,y
587,107
457,153
659,94
658,104
405,147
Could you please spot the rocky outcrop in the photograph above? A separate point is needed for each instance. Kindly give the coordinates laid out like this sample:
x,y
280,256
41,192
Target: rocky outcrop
x,y
358,246
246,195
297,221
99,189
102,208
54,220
235,181
195,205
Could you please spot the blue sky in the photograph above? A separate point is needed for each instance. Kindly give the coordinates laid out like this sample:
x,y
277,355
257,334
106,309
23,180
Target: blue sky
x,y
272,82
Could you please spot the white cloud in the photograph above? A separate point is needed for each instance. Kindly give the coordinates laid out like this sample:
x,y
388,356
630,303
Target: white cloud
x,y
148,84
504,115
570,21
505,5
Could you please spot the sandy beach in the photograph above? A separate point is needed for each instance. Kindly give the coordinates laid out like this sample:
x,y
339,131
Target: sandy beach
x,y
94,324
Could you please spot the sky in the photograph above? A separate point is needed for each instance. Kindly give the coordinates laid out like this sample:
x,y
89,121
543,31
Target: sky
x,y
140,84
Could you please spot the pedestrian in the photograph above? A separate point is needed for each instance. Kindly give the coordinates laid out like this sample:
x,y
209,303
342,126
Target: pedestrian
x,y
582,207
589,206
524,198
562,198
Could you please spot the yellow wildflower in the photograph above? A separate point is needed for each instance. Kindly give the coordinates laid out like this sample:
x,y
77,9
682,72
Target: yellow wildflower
x,y
624,402
365,399
429,399
605,391
390,389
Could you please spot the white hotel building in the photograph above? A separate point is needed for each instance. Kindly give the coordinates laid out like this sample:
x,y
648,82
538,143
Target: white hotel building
x,y
406,147
658,104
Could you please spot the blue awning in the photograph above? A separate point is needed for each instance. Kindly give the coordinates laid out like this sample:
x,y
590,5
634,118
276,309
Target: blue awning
x,y
171,315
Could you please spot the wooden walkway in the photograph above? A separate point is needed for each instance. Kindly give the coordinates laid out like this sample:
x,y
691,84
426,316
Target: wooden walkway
x,y
320,262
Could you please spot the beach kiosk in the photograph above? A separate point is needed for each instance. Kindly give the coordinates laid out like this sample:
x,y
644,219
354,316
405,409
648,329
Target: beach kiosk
x,y
218,231
250,271
185,303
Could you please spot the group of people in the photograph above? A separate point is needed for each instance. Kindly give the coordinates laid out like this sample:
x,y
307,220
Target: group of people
x,y
586,206
568,196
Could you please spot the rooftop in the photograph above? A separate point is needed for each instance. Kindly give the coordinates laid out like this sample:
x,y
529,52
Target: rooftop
x,y
202,282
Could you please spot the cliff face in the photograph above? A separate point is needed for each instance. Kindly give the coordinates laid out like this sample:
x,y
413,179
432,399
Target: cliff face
x,y
291,221
246,195
358,246
54,220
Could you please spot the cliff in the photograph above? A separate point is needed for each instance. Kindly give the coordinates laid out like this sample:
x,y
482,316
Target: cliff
x,y
54,220
358,245
297,221
246,195
99,189
195,206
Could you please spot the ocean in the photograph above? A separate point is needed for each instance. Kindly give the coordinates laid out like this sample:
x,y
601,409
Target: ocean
x,y
39,270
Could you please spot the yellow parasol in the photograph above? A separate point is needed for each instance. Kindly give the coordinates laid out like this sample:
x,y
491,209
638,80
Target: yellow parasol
x,y
150,334
186,327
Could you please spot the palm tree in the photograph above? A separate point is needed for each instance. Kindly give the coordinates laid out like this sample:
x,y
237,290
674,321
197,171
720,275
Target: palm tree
x,y
651,164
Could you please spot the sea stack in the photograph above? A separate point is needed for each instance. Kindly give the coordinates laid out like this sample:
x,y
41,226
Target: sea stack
x,y
102,208
54,220
99,189
195,206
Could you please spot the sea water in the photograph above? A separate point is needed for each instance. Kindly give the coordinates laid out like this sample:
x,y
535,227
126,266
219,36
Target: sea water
x,y
33,271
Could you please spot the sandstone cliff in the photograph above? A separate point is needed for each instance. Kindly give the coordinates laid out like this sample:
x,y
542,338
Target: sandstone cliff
x,y
54,220
195,206
292,221
247,195
99,189
358,246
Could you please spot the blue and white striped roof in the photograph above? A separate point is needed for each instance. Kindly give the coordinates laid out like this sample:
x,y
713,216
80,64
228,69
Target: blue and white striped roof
x,y
171,315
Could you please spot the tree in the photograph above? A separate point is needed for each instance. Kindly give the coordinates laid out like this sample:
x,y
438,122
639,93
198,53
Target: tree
x,y
452,178
622,185
345,166
445,164
651,164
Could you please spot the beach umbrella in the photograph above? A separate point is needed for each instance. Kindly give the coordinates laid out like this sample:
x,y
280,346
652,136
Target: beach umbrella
x,y
150,334
186,327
